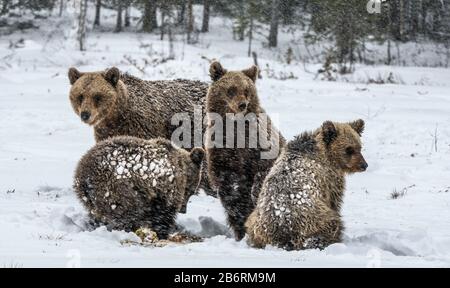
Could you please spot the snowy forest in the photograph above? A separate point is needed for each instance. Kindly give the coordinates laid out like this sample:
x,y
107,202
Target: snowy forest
x,y
383,61
353,27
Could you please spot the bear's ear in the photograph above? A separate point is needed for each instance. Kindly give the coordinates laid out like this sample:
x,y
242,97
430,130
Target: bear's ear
x,y
74,75
197,155
358,126
329,132
113,76
216,71
252,72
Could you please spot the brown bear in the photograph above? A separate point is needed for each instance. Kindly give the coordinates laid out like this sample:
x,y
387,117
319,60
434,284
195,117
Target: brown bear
x,y
127,183
237,172
117,104
299,205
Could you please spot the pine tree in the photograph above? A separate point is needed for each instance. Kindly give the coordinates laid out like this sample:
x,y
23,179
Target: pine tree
x,y
288,9
4,8
347,22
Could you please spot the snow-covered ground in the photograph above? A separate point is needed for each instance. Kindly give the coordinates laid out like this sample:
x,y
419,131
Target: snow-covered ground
x,y
42,139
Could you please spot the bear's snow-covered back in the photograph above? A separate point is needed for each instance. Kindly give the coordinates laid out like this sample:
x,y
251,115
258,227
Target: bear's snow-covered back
x,y
129,183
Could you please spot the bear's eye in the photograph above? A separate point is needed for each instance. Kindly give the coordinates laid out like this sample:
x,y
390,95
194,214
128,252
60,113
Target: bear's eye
x,y
232,92
80,99
247,92
349,151
97,98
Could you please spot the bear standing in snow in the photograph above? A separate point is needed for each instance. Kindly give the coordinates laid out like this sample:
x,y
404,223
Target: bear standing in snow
x,y
117,104
129,183
237,172
299,205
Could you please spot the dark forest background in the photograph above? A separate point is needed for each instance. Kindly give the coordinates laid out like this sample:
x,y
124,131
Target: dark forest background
x,y
345,22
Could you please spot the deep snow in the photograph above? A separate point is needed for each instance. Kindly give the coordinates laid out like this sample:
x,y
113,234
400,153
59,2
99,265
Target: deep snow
x,y
42,139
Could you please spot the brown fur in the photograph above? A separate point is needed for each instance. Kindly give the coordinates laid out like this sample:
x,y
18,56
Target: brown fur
x,y
236,173
128,183
119,104
299,205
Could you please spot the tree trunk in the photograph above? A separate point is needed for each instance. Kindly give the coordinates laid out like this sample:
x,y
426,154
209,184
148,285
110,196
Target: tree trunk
x,y
389,58
98,8
119,17
163,25
424,18
171,47
127,16
182,13
242,17
62,4
206,10
275,18
190,22
146,22
255,61
150,22
414,22
154,18
250,37
81,33
401,20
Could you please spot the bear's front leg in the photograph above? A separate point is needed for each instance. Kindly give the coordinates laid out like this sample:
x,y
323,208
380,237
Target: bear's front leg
x,y
161,219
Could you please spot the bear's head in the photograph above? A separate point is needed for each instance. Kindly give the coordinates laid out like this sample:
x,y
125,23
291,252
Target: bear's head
x,y
233,91
194,168
94,94
342,145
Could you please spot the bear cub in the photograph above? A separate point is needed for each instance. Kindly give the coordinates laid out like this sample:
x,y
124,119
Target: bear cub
x,y
238,172
127,183
299,205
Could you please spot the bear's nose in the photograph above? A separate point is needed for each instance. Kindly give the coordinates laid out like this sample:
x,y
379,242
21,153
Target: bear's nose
x,y
85,115
364,166
242,106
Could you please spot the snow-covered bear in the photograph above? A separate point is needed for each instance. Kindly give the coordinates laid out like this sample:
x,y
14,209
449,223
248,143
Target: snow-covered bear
x,y
300,201
127,183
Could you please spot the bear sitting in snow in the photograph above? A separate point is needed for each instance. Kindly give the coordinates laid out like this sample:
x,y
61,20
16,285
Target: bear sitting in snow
x,y
127,183
299,205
